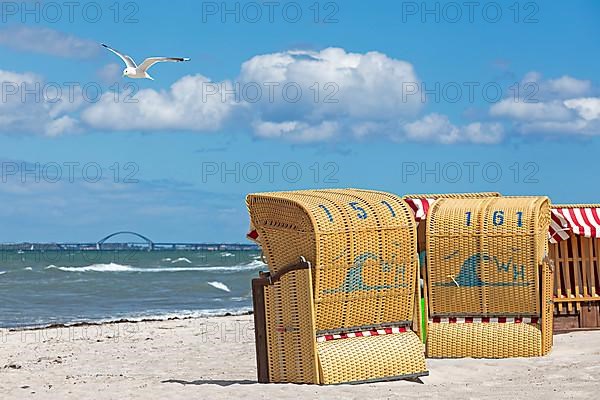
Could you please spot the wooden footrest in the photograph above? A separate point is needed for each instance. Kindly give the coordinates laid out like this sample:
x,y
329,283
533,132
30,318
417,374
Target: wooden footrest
x,y
483,340
371,358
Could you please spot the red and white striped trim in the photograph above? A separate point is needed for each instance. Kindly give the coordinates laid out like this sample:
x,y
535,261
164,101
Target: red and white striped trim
x,y
372,332
584,221
559,227
484,320
420,207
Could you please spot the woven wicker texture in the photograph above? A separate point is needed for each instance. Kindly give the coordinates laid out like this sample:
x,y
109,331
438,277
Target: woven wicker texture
x,y
452,195
362,248
483,255
483,340
362,358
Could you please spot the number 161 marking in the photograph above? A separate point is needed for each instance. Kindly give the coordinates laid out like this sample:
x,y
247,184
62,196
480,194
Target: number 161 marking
x,y
497,218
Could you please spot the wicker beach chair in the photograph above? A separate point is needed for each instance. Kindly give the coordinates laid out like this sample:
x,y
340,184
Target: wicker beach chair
x,y
338,302
489,278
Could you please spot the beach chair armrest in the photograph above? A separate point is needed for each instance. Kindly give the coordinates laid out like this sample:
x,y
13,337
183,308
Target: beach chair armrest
x,y
267,279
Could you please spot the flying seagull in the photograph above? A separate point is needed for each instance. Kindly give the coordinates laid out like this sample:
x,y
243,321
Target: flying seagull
x,y
140,71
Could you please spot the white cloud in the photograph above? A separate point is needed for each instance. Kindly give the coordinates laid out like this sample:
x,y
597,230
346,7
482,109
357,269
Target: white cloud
x,y
296,131
553,110
24,107
47,41
331,95
183,107
348,88
588,108
585,119
438,128
61,125
301,96
560,88
567,86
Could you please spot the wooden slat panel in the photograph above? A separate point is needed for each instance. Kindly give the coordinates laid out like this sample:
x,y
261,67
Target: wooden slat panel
x,y
558,275
576,271
595,269
564,256
588,317
585,261
576,266
566,323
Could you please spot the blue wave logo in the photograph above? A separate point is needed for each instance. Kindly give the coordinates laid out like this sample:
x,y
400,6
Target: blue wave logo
x,y
469,275
354,281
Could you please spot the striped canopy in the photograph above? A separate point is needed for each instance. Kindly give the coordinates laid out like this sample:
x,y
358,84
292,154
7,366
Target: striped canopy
x,y
581,220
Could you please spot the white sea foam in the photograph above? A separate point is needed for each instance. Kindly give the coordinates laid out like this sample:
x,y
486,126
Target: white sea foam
x,y
2,272
181,259
167,259
28,269
227,255
112,267
255,264
219,285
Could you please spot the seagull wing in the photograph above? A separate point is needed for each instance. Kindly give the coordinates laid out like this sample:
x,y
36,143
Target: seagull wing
x,y
128,60
148,62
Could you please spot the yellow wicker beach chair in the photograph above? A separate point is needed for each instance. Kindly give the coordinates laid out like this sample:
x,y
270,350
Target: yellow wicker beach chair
x,y
489,278
344,313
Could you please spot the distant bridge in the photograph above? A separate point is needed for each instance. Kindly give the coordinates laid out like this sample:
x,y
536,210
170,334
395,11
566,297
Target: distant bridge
x,y
145,241
149,242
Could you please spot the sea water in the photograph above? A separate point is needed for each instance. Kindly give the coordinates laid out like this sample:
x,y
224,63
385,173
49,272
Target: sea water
x,y
39,288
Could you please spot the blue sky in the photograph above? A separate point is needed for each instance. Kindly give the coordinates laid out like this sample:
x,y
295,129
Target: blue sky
x,y
173,147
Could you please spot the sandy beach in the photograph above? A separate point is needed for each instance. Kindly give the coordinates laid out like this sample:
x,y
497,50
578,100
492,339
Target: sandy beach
x,y
213,358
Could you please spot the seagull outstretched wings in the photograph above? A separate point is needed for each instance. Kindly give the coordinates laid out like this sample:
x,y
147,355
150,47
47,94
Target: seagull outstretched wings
x,y
135,71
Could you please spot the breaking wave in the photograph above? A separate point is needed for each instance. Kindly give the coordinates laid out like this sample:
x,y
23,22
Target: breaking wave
x,y
112,267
